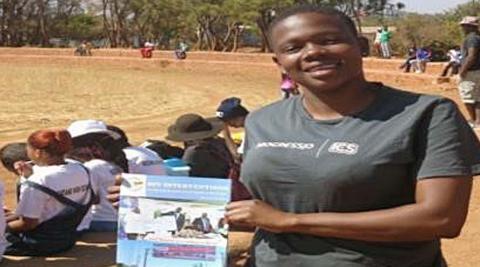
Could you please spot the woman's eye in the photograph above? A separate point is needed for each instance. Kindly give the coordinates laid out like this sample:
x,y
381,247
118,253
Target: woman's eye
x,y
331,41
291,49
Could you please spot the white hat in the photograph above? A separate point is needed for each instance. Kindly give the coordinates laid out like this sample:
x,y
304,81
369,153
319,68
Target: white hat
x,y
83,127
469,20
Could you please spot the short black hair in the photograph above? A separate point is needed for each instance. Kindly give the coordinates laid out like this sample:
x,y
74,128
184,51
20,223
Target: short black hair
x,y
11,153
310,8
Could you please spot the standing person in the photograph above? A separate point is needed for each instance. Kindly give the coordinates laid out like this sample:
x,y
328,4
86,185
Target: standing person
x,y
54,199
469,85
385,37
376,42
454,62
288,86
353,173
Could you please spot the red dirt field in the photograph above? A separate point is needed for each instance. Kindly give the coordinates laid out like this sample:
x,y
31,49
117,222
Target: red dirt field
x,y
50,88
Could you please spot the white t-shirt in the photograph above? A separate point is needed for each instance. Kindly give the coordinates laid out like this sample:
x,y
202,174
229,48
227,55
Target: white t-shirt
x,y
142,160
103,176
3,224
70,180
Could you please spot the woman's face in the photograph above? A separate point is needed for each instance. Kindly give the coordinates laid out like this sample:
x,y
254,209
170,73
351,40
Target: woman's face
x,y
236,122
318,51
34,154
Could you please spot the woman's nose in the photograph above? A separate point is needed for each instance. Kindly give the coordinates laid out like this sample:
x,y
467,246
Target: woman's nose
x,y
314,50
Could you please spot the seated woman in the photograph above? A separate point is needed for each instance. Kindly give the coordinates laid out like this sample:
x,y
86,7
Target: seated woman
x,y
140,159
205,152
94,145
53,200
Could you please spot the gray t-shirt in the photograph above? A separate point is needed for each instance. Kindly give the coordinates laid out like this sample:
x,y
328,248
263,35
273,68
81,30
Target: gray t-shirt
x,y
368,161
472,40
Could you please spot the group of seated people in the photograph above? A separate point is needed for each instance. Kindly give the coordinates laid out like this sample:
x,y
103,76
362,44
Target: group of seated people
x,y
417,59
64,174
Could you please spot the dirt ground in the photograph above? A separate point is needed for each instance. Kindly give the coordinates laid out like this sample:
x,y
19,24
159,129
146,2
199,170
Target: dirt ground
x,y
50,88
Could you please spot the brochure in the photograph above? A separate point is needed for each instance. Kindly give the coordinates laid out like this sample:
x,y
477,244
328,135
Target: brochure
x,y
172,221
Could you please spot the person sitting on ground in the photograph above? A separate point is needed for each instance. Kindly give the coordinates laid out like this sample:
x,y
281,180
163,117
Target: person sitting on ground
x,y
141,160
163,149
9,155
94,146
147,50
422,56
205,152
454,62
411,56
181,51
53,200
288,86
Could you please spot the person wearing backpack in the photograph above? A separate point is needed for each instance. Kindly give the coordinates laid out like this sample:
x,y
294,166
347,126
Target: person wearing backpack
x,y
53,200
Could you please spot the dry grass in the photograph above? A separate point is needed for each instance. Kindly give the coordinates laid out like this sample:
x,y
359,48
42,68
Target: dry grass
x,y
143,97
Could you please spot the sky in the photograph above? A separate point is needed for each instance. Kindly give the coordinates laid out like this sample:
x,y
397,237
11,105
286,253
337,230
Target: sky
x,y
429,6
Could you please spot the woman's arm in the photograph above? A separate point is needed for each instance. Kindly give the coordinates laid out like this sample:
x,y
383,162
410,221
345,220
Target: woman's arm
x,y
440,211
22,224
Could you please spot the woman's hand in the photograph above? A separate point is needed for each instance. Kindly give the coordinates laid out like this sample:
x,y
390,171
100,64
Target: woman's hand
x,y
113,195
257,213
23,168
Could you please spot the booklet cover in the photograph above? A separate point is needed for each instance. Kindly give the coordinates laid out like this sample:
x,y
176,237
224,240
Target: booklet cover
x,y
172,221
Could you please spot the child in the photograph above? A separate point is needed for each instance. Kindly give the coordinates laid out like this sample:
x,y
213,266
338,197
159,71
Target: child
x,y
288,86
9,155
53,200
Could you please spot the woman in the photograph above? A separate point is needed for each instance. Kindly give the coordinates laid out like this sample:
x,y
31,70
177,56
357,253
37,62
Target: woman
x,y
53,200
233,114
205,152
95,146
288,87
353,173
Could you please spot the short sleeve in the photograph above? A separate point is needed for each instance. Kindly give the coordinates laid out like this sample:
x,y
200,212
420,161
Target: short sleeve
x,y
445,144
31,203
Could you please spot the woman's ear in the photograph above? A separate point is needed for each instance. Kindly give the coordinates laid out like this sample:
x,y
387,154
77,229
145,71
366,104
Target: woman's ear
x,y
275,60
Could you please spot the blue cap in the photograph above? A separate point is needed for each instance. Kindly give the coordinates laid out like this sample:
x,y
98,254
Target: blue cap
x,y
231,108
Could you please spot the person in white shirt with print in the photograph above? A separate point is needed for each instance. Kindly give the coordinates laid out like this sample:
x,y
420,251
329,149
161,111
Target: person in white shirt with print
x,y
53,200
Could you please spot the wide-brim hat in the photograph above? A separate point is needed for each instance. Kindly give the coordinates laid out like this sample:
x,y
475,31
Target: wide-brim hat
x,y
191,127
469,20
84,127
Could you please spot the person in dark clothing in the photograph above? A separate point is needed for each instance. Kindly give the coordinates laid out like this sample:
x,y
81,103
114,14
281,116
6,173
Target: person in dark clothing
x,y
352,173
205,152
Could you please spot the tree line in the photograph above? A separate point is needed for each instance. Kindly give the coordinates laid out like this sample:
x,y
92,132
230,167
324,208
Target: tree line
x,y
218,25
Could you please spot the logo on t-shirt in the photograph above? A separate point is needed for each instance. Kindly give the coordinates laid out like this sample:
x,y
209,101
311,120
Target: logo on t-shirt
x,y
288,145
343,148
